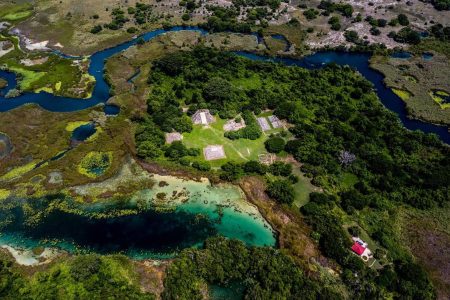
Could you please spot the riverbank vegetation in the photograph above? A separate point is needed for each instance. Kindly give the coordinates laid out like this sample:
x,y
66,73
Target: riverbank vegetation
x,y
40,71
365,168
415,80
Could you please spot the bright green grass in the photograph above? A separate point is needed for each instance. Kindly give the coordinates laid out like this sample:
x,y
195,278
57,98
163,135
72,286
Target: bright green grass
x,y
241,150
28,77
302,188
252,82
17,16
16,12
404,95
347,180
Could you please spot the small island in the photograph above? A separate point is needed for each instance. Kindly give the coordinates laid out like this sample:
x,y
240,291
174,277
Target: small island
x,y
3,83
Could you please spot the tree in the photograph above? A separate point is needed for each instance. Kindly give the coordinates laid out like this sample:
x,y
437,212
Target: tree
x,y
275,144
311,14
185,17
148,149
96,29
254,166
407,35
201,165
218,90
403,19
282,191
279,168
351,36
231,171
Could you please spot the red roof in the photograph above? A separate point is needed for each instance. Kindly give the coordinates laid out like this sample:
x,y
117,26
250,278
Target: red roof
x,y
358,249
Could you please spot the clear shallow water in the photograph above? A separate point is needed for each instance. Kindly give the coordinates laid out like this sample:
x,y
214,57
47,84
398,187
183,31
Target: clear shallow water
x,y
190,213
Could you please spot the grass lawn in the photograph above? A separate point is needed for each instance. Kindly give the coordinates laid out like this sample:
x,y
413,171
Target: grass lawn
x,y
238,150
302,188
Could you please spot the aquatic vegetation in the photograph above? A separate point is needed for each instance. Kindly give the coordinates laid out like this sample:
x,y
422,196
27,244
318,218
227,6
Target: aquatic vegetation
x,y
441,97
4,194
28,77
71,126
19,171
3,83
404,95
87,83
98,131
411,78
16,12
95,164
44,89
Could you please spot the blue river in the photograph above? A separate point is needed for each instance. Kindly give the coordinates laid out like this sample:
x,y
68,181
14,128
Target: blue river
x,y
101,93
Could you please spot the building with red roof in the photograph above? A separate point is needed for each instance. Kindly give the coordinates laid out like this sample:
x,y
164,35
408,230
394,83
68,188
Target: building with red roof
x,y
358,248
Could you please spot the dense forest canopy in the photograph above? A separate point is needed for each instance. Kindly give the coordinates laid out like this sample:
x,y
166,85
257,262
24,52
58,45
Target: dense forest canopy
x,y
339,130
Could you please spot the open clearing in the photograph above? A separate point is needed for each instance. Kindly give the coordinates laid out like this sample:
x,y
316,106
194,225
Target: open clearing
x,y
238,150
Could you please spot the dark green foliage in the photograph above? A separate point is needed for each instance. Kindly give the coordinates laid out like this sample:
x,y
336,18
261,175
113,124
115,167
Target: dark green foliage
x,y
335,23
329,7
265,273
231,171
407,35
273,4
149,139
201,166
282,191
82,277
354,231
332,110
118,19
403,19
177,150
279,168
275,144
254,167
143,13
375,31
225,19
132,30
351,36
311,13
10,280
440,32
441,4
185,17
96,29
147,149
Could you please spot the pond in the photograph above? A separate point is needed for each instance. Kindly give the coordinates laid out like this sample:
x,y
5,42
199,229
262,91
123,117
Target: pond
x,y
181,213
427,55
401,55
111,110
83,132
101,92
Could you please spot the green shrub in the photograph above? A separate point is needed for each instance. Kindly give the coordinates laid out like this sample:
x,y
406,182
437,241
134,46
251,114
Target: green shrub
x,y
275,144
282,191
